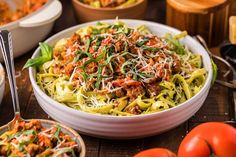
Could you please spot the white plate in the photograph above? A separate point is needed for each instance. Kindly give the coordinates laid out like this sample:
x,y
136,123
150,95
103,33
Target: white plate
x,y
125,127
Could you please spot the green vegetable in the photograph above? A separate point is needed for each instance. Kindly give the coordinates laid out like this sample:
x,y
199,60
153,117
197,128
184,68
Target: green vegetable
x,y
65,150
214,69
99,41
57,133
81,54
178,48
110,57
143,29
110,50
181,35
46,55
135,77
141,43
88,62
152,49
85,75
95,31
126,30
99,77
87,45
27,132
147,75
126,46
101,56
99,23
124,65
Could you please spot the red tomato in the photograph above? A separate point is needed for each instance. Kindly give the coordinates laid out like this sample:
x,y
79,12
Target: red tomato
x,y
156,152
209,138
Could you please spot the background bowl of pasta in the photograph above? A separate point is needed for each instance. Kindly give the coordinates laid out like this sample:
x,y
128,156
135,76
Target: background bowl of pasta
x,y
142,115
31,23
86,10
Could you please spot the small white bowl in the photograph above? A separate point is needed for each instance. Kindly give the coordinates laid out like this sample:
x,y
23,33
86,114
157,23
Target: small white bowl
x,y
2,82
114,127
28,31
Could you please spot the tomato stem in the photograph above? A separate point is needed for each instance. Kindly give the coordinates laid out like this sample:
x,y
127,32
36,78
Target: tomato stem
x,y
213,155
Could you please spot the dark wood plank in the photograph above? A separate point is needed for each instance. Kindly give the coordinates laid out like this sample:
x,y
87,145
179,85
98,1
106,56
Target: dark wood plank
x,y
120,148
24,88
92,146
170,139
156,11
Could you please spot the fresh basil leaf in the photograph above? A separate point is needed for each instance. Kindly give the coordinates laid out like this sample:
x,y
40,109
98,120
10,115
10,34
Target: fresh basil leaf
x,y
46,50
142,42
99,77
88,62
85,75
87,45
46,55
34,62
102,55
124,65
152,49
81,54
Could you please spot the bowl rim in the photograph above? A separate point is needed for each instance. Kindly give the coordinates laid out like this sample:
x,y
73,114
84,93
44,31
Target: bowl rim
x,y
78,2
2,75
14,24
65,108
51,122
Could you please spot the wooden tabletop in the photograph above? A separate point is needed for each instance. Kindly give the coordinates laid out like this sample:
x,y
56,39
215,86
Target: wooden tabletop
x,y
215,108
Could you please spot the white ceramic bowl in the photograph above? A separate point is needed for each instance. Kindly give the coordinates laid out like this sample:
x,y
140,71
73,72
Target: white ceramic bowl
x,y
28,31
2,82
125,127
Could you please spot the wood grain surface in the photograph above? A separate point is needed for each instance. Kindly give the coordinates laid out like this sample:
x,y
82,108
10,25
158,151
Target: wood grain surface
x,y
215,108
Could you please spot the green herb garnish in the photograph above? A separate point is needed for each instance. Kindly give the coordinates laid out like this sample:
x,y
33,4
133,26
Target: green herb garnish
x,y
57,133
81,54
152,49
177,47
124,65
87,45
99,77
46,55
65,150
142,42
